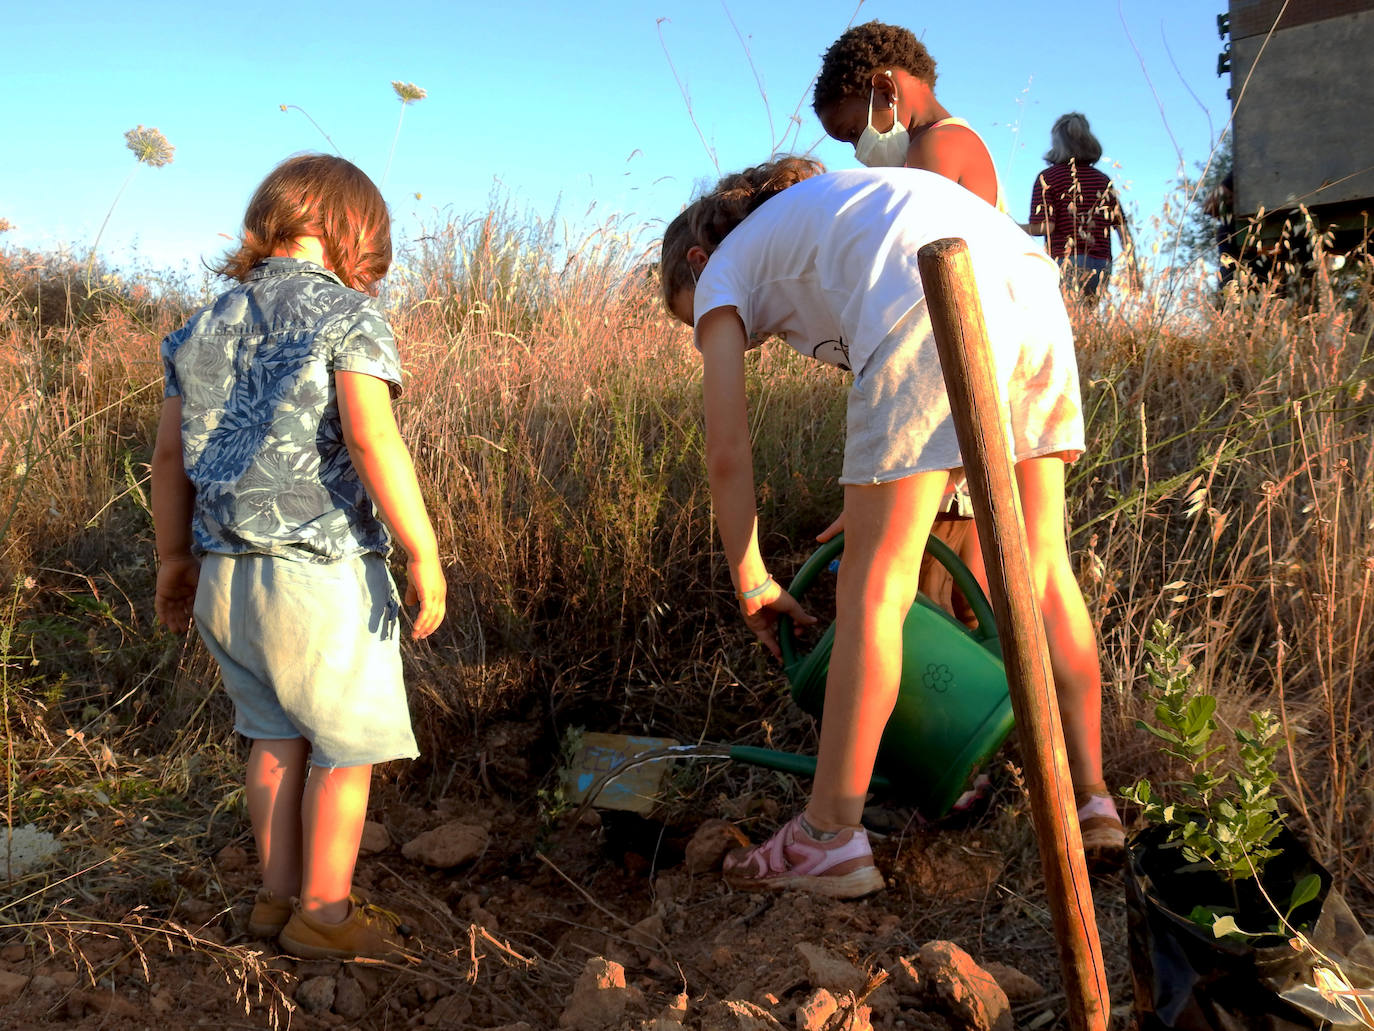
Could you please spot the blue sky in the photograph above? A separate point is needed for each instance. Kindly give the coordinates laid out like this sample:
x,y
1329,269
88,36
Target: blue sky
x,y
556,107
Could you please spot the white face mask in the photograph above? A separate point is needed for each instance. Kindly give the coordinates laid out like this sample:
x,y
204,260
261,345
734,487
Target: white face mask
x,y
883,149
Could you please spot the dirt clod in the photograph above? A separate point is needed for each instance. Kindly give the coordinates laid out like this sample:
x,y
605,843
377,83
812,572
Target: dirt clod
x,y
316,995
648,934
599,998
709,844
231,858
447,845
815,1011
906,978
736,1015
376,838
825,969
450,1011
1018,986
965,991
11,984
349,1001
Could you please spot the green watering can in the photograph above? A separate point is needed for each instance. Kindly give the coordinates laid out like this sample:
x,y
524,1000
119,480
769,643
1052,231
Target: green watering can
x,y
953,709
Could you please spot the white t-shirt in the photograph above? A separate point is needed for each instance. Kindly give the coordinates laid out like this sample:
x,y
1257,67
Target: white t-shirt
x,y
830,263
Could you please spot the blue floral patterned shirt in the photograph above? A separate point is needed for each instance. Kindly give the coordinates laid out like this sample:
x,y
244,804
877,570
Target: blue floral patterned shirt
x,y
260,429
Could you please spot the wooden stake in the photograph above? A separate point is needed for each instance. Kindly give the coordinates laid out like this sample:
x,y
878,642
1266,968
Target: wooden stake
x,y
956,318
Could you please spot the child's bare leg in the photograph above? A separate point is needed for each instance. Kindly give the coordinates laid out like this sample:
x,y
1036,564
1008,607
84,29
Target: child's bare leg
x,y
885,530
333,812
274,783
1068,629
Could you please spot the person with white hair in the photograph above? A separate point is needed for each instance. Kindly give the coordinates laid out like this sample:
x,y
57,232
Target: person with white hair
x,y
1075,206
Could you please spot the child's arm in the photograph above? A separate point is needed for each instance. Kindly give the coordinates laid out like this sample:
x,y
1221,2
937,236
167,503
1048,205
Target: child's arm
x,y
1123,232
730,467
1040,223
383,464
178,572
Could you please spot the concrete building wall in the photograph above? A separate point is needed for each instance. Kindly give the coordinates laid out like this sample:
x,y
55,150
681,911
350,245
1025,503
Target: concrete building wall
x,y
1303,130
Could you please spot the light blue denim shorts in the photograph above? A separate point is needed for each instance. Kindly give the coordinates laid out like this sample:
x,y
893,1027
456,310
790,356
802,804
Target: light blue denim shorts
x,y
310,650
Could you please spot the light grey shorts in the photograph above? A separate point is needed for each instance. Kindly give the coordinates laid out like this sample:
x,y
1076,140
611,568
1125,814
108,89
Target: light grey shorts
x,y
898,420
310,650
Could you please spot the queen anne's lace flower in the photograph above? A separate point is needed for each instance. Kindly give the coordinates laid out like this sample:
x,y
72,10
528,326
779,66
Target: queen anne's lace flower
x,y
150,147
408,91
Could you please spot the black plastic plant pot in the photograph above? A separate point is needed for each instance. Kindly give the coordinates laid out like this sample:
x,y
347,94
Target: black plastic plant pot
x,y
1186,978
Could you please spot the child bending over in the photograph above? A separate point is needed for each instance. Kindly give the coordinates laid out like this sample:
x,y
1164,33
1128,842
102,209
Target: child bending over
x,y
828,262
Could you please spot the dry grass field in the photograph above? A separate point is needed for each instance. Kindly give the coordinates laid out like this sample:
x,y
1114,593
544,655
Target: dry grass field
x,y
554,414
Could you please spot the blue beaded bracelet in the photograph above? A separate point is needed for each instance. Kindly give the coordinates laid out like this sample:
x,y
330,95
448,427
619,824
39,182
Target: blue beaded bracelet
x,y
754,592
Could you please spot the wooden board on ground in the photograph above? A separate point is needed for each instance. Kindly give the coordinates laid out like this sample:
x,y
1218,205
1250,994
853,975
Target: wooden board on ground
x,y
635,790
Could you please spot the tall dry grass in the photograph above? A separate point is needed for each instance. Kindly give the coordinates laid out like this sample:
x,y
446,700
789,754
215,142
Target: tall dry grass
x,y
554,413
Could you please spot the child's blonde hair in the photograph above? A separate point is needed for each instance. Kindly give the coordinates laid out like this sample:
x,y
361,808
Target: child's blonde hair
x,y
709,219
317,195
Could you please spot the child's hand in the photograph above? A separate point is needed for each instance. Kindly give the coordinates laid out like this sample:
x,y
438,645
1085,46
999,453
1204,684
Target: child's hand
x,y
761,615
834,529
426,587
176,592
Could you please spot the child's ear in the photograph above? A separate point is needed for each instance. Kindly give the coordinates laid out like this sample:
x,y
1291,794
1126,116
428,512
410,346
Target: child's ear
x,y
884,88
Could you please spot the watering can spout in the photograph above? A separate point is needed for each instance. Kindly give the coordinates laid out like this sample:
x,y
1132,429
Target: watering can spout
x,y
953,708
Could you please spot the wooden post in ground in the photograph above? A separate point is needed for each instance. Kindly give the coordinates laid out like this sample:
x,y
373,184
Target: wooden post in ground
x,y
956,318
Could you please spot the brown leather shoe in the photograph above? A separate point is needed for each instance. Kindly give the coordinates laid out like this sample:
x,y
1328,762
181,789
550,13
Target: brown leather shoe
x,y
269,915
368,931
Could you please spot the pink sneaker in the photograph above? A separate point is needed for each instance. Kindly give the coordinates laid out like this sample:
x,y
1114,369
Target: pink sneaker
x,y
841,867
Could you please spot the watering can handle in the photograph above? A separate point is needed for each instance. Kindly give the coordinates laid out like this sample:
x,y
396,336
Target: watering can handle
x,y
942,553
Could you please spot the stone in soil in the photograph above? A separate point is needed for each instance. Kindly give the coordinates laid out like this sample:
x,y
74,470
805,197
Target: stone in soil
x,y
827,970
599,998
231,858
349,1000
714,838
316,995
1018,986
814,1011
376,839
11,984
450,1011
964,990
447,845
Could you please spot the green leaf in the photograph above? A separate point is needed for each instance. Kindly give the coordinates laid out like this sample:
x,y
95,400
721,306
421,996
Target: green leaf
x,y
1225,925
1305,891
1198,713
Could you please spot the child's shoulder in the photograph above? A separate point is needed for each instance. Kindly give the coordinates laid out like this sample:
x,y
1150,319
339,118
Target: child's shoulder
x,y
295,293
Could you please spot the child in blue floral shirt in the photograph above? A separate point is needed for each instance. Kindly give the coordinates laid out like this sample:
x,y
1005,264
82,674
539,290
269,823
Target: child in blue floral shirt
x,y
277,471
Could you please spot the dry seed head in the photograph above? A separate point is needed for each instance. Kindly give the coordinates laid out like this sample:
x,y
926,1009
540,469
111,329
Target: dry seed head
x,y
150,147
408,91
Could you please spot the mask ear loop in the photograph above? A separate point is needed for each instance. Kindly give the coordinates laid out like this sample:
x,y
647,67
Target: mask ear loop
x,y
872,91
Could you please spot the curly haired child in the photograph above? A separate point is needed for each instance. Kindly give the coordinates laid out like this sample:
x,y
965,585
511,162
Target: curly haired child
x,y
876,90
277,471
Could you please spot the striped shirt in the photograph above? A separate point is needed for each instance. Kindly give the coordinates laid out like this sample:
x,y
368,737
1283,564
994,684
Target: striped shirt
x,y
1083,206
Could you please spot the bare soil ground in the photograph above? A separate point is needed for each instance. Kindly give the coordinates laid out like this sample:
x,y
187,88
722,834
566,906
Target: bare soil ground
x,y
505,937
